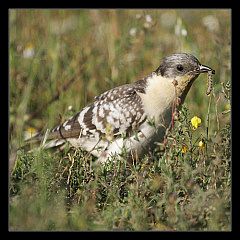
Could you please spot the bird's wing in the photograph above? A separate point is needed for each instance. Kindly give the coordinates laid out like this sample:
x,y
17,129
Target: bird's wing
x,y
116,111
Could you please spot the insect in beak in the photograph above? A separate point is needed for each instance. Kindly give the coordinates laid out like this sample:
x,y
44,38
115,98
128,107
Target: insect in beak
x,y
203,69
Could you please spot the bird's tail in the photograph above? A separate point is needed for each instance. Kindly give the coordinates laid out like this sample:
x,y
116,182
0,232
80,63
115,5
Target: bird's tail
x,y
39,140
46,140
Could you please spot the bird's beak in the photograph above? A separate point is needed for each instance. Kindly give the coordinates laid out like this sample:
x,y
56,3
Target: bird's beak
x,y
203,69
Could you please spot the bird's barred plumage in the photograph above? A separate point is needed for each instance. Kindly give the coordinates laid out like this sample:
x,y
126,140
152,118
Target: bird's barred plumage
x,y
122,116
119,110
116,113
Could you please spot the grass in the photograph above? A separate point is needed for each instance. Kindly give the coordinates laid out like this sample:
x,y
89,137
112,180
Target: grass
x,y
60,60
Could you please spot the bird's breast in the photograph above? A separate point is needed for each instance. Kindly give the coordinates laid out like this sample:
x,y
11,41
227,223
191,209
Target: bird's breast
x,y
158,98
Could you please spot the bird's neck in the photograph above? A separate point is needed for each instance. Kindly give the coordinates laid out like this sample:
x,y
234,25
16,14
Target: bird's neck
x,y
159,96
184,88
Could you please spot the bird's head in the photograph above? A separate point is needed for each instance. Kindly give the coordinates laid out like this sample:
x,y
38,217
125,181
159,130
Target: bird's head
x,y
183,68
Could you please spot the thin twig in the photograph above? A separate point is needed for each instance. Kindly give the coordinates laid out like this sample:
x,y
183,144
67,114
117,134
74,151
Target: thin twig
x,y
70,169
208,122
216,110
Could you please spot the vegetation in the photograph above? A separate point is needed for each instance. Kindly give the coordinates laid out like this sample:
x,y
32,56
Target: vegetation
x,y
60,60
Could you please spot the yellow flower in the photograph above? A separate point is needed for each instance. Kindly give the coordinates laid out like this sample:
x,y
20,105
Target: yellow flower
x,y
196,121
29,133
184,149
201,144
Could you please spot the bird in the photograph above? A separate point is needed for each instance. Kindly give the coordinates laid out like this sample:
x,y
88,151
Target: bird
x,y
131,117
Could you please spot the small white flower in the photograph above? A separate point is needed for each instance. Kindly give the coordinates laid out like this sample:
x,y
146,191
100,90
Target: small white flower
x,y
28,52
148,18
184,32
70,108
133,32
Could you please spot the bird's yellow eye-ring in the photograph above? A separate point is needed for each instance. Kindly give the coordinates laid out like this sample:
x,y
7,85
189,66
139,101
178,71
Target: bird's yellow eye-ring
x,y
179,67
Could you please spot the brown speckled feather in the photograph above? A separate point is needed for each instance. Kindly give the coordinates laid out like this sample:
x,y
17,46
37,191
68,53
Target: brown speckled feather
x,y
112,107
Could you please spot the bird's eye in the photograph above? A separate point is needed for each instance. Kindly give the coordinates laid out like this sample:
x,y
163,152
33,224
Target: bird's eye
x,y
179,67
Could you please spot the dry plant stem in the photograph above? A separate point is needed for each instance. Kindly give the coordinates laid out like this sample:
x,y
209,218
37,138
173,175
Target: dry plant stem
x,y
12,161
208,122
70,169
216,110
